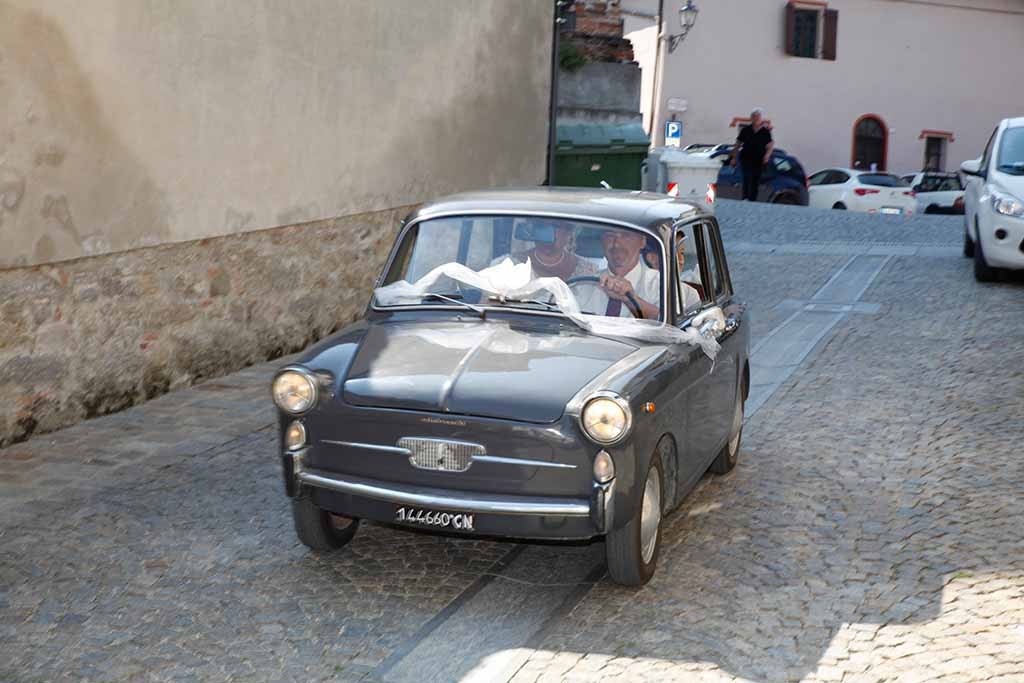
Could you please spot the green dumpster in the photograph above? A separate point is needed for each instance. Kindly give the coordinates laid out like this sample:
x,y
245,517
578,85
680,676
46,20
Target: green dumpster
x,y
587,153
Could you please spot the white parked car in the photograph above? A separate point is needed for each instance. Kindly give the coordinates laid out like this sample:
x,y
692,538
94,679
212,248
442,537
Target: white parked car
x,y
853,190
937,191
994,203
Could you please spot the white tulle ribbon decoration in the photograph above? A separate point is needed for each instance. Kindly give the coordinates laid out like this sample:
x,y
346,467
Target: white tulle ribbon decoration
x,y
510,280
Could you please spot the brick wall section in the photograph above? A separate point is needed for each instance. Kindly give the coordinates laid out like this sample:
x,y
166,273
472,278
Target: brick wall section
x,y
95,335
598,32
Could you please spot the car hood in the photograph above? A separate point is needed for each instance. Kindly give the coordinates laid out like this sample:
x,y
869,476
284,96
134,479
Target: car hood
x,y
488,368
1009,184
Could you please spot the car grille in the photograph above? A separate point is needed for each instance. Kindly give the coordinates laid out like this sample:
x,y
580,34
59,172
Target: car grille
x,y
440,454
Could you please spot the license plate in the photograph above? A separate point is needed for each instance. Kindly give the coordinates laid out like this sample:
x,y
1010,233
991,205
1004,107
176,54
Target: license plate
x,y
460,521
890,210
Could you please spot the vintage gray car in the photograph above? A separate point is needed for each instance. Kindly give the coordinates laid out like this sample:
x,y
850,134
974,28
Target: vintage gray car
x,y
535,363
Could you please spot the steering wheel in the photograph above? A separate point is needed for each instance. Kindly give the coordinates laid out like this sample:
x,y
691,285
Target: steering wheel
x,y
632,304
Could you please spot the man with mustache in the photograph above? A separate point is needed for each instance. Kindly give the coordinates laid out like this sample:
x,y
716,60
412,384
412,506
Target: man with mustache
x,y
626,274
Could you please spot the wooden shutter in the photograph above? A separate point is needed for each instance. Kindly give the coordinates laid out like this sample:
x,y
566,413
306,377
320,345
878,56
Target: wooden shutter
x,y
790,46
828,50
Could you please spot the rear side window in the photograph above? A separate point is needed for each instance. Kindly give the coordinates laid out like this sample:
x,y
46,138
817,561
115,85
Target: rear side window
x,y
782,164
881,180
819,178
837,178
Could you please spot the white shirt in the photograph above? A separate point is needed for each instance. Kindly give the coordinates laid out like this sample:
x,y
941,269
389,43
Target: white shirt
x,y
691,299
646,283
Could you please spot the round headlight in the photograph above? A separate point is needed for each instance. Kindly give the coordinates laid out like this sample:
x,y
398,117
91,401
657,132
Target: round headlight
x,y
606,419
294,391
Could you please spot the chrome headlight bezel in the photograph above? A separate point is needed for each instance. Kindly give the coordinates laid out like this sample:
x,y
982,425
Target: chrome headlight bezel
x,y
303,376
1007,205
612,399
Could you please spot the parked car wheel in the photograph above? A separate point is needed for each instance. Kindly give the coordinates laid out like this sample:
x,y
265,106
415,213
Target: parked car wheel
x,y
730,452
319,529
968,245
839,206
982,271
785,198
632,550
931,209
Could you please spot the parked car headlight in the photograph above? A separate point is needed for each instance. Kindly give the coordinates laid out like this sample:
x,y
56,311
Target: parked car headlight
x,y
1007,205
295,391
606,418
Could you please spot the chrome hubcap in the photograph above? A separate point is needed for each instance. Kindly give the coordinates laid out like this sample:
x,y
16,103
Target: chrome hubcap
x,y
650,515
737,427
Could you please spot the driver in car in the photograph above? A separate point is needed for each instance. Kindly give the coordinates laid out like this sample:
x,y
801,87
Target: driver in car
x,y
626,274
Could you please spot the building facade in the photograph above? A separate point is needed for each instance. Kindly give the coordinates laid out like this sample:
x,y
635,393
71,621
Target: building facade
x,y
901,84
190,187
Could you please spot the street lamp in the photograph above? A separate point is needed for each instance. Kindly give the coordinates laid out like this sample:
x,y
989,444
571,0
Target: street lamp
x,y
687,18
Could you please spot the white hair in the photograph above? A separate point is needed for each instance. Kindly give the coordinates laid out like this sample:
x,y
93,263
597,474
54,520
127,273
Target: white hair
x,y
757,111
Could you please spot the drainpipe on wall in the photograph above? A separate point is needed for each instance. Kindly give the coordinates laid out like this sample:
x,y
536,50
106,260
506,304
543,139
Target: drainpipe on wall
x,y
655,82
553,107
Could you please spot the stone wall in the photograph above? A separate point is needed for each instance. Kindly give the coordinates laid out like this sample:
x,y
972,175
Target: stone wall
x,y
94,335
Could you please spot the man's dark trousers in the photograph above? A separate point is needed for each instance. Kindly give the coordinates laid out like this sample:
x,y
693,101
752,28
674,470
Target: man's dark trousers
x,y
751,181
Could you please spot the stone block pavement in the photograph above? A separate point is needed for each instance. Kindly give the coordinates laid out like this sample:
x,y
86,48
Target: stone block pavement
x,y
872,531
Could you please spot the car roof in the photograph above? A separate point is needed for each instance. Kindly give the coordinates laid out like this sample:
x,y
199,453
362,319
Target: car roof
x,y
633,207
1016,122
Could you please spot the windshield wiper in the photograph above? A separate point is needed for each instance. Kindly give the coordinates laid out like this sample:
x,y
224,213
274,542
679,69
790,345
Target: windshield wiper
x,y
547,304
452,299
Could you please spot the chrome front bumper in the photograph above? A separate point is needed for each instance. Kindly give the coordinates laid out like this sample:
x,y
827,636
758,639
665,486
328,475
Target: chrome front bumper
x,y
596,508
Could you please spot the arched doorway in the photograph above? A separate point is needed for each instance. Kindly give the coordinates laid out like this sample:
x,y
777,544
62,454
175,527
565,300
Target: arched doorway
x,y
870,142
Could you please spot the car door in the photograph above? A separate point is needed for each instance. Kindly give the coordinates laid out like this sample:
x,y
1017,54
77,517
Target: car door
x,y
730,179
690,400
724,374
821,191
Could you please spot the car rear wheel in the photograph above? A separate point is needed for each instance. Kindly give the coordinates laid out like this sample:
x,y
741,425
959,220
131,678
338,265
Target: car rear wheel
x,y
730,452
319,529
632,550
982,271
839,206
785,199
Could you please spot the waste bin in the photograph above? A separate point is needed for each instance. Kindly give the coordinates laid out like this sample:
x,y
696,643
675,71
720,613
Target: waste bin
x,y
587,153
673,171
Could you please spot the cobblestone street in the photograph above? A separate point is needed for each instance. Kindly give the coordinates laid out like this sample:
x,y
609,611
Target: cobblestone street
x,y
871,532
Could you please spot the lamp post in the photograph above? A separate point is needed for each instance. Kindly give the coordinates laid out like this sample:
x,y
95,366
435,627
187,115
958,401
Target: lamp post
x,y
687,18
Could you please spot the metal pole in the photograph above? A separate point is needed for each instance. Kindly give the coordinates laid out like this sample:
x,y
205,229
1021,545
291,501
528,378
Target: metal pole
x,y
553,105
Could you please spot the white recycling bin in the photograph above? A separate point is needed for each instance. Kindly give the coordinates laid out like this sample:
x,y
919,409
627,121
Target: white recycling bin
x,y
688,176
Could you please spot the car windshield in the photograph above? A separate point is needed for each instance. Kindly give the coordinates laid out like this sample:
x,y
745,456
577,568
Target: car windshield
x,y
580,253
1011,151
882,180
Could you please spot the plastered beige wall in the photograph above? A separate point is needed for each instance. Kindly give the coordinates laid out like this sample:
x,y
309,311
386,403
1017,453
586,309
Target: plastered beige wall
x,y
950,65
126,123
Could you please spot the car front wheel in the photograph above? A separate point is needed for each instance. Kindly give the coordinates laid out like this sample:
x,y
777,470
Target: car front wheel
x,y
632,550
982,271
319,529
968,246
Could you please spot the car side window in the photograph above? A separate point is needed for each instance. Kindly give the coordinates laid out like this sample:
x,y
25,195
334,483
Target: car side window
x,y
838,178
819,178
688,282
715,268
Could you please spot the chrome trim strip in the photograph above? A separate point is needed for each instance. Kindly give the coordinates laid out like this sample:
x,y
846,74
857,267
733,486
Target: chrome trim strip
x,y
521,461
496,459
396,450
481,503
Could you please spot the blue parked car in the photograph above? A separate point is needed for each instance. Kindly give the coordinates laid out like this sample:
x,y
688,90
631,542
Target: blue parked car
x,y
783,181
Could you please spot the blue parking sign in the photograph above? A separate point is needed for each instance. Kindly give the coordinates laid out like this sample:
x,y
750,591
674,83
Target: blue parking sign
x,y
673,133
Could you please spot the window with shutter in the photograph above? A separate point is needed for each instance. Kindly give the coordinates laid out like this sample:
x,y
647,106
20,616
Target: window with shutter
x,y
811,30
828,47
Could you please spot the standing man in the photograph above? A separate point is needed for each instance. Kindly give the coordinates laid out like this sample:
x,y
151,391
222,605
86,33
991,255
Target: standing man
x,y
753,149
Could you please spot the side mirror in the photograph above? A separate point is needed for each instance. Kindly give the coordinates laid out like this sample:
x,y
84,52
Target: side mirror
x,y
972,167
